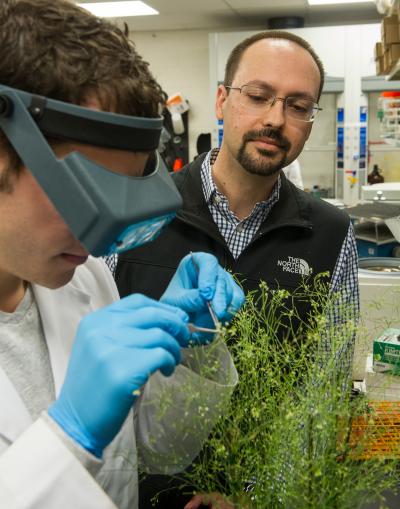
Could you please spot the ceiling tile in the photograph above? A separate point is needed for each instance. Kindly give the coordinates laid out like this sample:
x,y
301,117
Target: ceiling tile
x,y
214,15
266,4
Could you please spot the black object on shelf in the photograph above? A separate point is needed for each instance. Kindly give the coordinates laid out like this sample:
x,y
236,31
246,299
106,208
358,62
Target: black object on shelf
x,y
375,177
203,143
174,148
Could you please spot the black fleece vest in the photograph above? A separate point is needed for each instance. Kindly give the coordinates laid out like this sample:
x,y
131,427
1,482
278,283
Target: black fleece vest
x,y
301,235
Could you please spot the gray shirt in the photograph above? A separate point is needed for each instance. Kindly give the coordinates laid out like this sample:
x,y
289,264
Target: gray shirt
x,y
24,355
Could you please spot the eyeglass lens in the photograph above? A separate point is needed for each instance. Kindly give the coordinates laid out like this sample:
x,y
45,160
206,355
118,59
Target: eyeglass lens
x,y
256,99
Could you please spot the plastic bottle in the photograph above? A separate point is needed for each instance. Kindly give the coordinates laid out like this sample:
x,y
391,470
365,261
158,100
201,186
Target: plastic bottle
x,y
375,177
315,191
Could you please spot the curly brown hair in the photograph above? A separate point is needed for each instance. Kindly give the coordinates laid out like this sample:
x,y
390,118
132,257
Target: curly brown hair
x,y
57,49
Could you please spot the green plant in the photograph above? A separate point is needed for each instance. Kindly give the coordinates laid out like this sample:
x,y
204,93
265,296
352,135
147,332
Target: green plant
x,y
283,439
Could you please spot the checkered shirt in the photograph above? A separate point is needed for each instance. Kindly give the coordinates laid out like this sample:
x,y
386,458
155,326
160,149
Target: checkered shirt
x,y
238,234
111,261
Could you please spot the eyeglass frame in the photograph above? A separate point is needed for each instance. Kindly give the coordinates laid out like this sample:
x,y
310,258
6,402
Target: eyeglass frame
x,y
276,98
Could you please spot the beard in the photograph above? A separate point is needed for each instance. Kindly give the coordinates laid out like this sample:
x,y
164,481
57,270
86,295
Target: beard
x,y
267,162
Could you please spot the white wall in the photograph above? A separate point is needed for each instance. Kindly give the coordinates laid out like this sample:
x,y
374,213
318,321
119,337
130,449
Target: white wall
x,y
179,62
317,160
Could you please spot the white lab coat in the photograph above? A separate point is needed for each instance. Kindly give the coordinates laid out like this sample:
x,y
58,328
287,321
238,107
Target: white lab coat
x,y
38,471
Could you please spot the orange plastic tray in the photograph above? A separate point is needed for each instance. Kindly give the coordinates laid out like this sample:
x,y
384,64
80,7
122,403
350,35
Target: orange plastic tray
x,y
377,433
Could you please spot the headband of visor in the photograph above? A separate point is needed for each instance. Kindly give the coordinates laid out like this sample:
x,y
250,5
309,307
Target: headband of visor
x,y
106,211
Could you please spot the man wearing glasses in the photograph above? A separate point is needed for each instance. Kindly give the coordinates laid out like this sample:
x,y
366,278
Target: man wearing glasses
x,y
238,204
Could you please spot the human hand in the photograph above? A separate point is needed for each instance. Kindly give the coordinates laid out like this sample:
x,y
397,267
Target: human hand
x,y
212,500
115,351
200,279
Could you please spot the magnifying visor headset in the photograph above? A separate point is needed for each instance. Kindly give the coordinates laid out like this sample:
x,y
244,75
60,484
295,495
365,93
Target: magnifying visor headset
x,y
106,211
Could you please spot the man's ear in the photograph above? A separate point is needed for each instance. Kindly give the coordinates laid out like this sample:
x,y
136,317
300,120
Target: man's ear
x,y
222,95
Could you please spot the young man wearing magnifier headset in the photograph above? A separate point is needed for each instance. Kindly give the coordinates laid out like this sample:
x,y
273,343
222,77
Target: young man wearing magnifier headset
x,y
79,176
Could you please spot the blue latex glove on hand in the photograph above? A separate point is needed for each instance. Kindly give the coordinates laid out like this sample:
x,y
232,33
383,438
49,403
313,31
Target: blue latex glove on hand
x,y
193,284
115,351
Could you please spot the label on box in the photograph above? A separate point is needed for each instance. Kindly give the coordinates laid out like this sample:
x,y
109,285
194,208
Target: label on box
x,y
177,104
387,352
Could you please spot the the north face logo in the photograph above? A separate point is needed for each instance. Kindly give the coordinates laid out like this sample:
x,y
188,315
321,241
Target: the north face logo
x,y
295,266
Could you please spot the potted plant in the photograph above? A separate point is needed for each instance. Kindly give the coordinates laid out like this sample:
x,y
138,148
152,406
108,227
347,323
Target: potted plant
x,y
286,437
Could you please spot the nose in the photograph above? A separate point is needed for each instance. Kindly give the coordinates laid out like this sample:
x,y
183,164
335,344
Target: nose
x,y
274,114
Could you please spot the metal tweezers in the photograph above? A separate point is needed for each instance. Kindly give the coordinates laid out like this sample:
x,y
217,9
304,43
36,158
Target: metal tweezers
x,y
216,322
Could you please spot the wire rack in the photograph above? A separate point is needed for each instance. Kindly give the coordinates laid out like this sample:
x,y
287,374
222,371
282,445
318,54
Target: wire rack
x,y
376,434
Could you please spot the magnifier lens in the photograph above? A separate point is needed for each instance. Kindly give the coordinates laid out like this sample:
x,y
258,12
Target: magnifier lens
x,y
140,233
87,196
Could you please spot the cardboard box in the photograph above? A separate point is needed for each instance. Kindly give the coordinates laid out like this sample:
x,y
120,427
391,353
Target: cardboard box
x,y
394,54
386,352
386,62
380,70
390,29
378,50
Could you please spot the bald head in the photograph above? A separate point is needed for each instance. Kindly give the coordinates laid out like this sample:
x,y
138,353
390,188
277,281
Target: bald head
x,y
274,61
282,38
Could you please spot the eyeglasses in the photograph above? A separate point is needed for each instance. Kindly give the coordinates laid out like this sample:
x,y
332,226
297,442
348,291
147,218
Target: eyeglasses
x,y
257,100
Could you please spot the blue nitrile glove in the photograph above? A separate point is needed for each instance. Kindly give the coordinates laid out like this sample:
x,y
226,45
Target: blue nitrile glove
x,y
115,351
193,284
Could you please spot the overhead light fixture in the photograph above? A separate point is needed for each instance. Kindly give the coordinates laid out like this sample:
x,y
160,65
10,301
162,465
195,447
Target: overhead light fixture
x,y
331,2
119,9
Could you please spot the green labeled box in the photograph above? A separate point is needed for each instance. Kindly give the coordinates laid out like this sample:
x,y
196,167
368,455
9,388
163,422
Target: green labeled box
x,y
387,352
